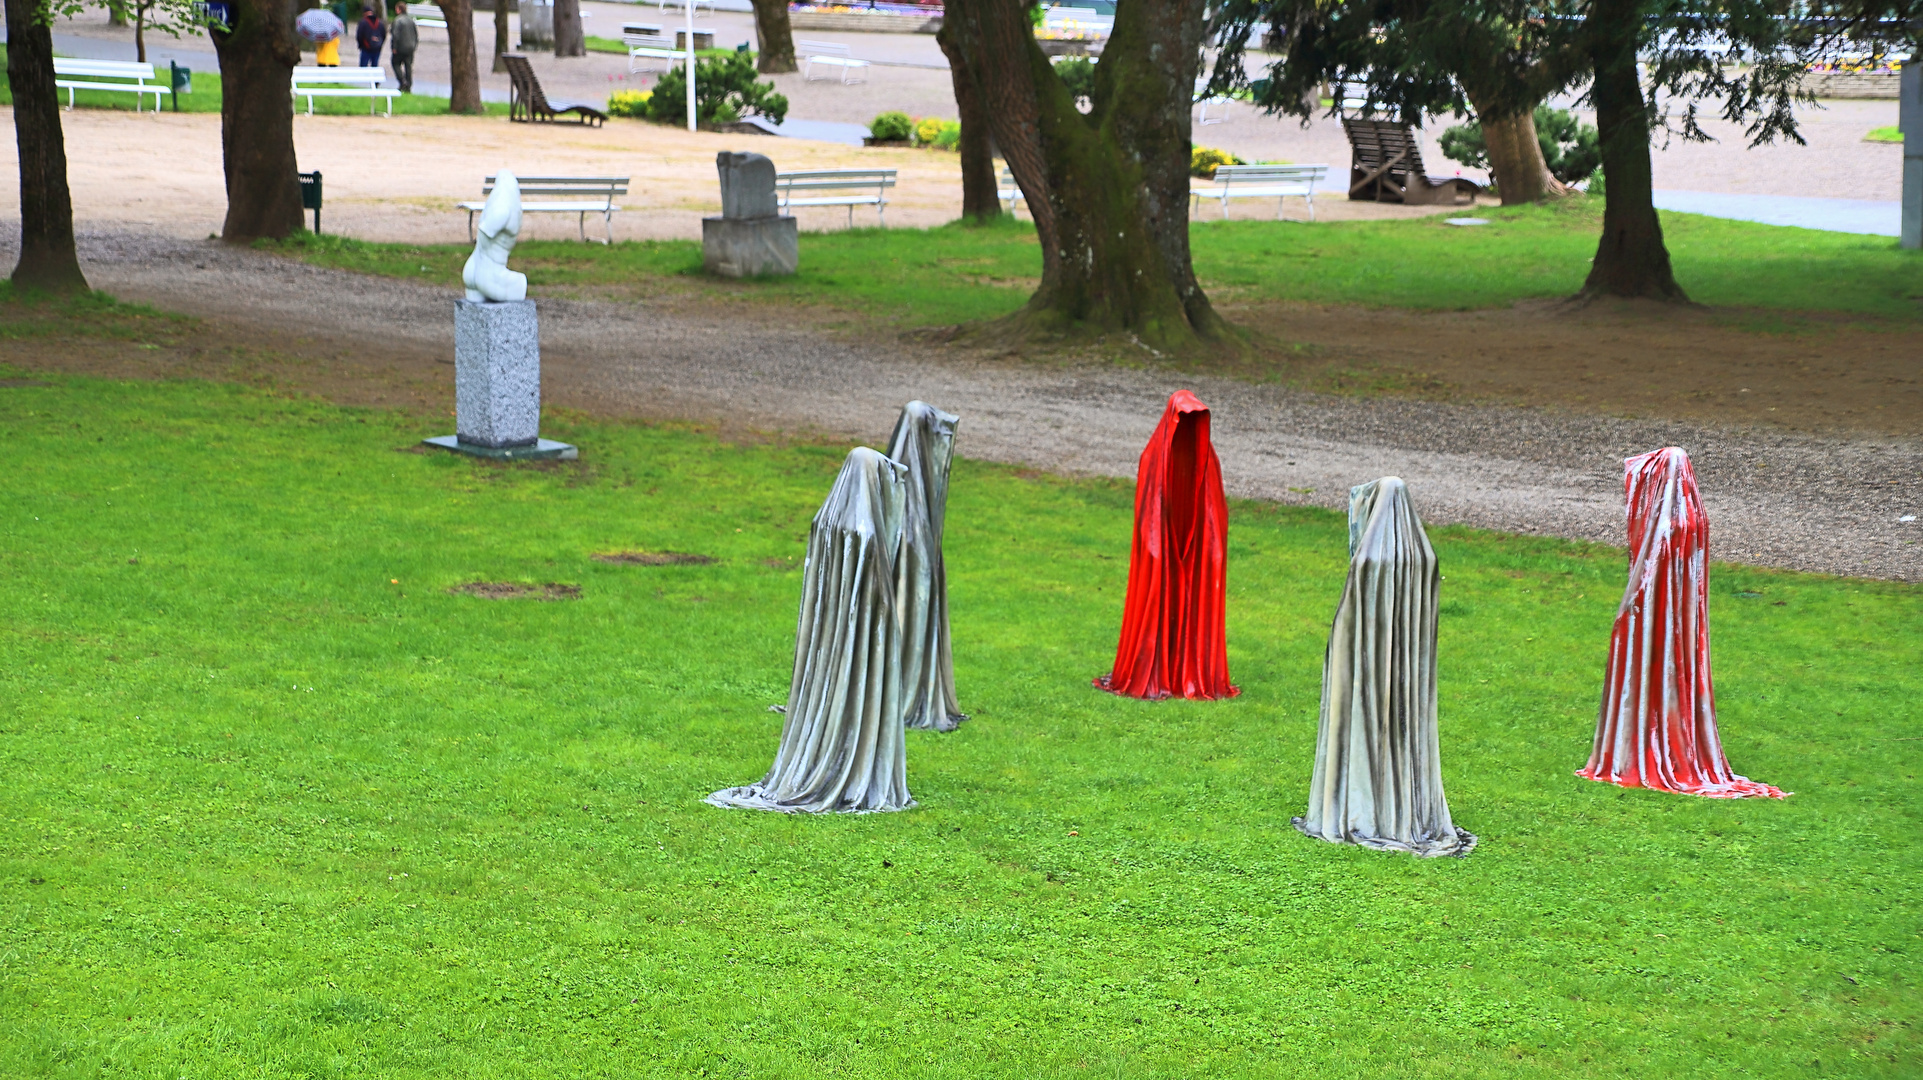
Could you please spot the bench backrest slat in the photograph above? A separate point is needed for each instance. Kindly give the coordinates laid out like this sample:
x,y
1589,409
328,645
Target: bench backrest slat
x,y
1259,174
609,186
102,69
826,47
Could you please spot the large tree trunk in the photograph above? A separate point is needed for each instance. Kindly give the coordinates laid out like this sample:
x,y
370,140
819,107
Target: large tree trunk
x,y
500,36
569,38
464,71
47,258
774,37
258,52
981,188
1515,158
1630,259
1109,190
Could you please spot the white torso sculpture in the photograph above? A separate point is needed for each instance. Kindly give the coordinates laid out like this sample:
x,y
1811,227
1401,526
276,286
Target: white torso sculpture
x,y
486,274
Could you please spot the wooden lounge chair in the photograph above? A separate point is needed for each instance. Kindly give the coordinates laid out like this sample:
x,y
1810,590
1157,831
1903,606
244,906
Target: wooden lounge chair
x,y
1386,166
526,102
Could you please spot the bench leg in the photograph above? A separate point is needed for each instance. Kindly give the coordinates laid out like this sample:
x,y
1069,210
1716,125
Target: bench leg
x,y
1310,199
607,218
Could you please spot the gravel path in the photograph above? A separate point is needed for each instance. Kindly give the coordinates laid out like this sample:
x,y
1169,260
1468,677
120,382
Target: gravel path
x,y
1776,498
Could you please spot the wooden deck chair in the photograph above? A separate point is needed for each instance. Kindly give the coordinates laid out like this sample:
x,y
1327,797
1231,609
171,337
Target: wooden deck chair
x,y
526,101
1386,166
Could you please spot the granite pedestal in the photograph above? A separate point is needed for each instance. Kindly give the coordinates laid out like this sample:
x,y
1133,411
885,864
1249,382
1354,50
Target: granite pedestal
x,y
750,247
497,383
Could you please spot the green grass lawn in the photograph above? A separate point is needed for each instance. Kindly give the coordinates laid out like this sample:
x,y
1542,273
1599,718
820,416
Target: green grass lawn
x,y
278,804
206,94
1885,134
958,274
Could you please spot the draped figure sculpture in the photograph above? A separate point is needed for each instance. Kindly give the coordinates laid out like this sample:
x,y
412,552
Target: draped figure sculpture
x,y
1657,726
924,442
843,743
1378,771
1173,642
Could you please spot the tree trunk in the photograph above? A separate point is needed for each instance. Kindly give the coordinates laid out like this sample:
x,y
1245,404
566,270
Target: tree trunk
x,y
500,35
1515,159
569,38
116,13
774,37
47,258
258,52
140,32
464,71
981,188
1631,259
1109,190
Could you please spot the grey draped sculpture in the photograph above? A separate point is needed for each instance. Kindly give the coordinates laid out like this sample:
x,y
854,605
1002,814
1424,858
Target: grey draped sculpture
x,y
1378,774
843,743
924,442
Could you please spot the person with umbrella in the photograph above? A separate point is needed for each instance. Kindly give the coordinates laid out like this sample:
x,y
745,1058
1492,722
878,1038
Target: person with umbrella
x,y
370,35
325,30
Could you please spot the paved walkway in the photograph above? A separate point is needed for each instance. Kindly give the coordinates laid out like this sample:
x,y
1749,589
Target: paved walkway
x,y
1870,217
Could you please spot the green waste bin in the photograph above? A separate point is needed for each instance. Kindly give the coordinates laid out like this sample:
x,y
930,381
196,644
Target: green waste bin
x,y
182,81
310,196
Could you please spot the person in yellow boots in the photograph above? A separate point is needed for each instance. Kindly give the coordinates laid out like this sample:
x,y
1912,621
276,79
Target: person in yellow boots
x,y
325,30
328,54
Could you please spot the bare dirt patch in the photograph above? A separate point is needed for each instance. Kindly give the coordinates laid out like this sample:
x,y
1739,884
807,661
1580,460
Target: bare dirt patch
x,y
511,590
652,558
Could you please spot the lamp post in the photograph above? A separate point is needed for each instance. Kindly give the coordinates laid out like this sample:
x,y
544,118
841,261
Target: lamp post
x,y
690,6
1910,117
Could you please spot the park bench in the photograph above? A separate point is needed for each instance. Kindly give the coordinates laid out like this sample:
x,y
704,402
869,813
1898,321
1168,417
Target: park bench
x,y
591,195
670,5
313,82
70,74
1278,182
428,15
527,103
1386,166
1008,190
867,187
829,54
646,44
1204,100
1078,22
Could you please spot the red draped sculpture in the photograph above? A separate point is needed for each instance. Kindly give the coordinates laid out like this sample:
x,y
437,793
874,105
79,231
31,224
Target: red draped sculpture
x,y
1657,729
1173,644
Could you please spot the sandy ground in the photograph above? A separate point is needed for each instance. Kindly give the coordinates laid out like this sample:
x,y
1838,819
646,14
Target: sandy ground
x,y
1778,498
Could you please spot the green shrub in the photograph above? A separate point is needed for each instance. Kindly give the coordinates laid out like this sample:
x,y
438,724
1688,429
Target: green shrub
x,y
725,90
1204,159
891,127
1078,74
926,128
633,104
949,137
1569,148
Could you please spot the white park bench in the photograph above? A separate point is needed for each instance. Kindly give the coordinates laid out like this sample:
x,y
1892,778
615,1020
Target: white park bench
x,y
670,5
428,15
646,44
72,74
313,82
829,54
1276,182
865,187
1008,190
1078,22
593,195
1205,101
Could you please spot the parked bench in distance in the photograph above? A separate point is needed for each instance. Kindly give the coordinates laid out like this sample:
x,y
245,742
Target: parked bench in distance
x,y
1386,166
1278,182
829,54
645,48
71,73
1008,191
858,187
313,82
527,103
428,15
591,195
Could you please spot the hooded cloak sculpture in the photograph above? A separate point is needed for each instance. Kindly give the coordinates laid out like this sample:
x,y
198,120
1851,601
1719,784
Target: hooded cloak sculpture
x,y
1378,772
1173,641
843,744
1657,727
924,442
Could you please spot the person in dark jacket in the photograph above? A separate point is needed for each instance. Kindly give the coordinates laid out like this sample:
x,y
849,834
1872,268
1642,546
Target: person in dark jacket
x,y
371,35
406,38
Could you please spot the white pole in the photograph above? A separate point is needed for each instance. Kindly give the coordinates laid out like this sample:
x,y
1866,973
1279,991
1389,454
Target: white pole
x,y
690,5
1910,124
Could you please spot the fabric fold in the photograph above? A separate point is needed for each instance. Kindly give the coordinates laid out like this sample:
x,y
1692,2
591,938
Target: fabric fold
x,y
842,742
924,443
1657,725
1378,769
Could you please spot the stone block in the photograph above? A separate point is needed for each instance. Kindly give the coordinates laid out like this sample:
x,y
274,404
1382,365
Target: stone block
x,y
750,248
497,373
747,186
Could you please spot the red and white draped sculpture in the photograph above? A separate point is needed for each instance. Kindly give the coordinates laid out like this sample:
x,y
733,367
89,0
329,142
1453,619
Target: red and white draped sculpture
x,y
1657,729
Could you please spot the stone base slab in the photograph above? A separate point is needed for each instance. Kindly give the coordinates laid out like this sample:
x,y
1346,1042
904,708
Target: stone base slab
x,y
750,247
539,450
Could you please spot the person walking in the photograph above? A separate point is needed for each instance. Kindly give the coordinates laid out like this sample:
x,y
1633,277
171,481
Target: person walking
x,y
371,36
404,38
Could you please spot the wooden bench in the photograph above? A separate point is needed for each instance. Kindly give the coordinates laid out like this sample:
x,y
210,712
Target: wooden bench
x,y
829,54
1386,166
1278,182
872,183
313,82
72,74
527,103
593,195
428,15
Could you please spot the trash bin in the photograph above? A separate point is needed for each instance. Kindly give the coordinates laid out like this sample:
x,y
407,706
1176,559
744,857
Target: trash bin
x,y
310,196
183,81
